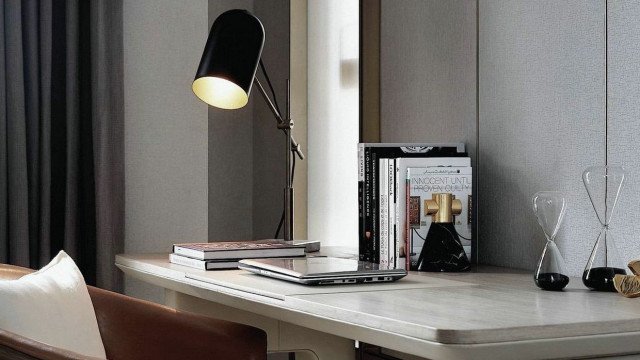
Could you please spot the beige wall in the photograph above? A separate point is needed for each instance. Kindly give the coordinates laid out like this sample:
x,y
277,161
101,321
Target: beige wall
x,y
165,129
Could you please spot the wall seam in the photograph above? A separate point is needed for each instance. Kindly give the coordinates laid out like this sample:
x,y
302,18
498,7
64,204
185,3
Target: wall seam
x,y
606,82
477,172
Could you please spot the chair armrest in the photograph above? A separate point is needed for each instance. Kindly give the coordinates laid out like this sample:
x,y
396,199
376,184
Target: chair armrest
x,y
135,329
13,346
12,272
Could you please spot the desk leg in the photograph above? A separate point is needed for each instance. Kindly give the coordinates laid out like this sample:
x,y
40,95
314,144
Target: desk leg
x,y
308,344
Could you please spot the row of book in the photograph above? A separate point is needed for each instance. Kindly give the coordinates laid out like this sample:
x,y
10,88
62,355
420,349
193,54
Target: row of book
x,y
394,181
227,254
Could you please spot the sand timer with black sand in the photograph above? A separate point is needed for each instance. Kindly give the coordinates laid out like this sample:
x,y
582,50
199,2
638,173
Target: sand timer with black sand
x,y
549,207
603,184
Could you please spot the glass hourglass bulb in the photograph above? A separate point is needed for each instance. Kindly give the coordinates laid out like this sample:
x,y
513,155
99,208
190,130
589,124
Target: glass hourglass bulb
x,y
603,184
549,208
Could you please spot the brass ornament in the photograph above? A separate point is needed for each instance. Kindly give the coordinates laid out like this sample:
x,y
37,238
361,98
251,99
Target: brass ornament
x,y
442,207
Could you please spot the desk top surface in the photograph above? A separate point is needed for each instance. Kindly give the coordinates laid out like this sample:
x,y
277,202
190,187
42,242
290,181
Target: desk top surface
x,y
489,305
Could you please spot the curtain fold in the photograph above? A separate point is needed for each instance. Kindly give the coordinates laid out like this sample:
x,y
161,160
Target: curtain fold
x,y
17,181
4,199
108,135
61,134
44,181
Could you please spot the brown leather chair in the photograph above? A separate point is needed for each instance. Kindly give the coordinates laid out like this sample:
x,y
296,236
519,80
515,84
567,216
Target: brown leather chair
x,y
134,329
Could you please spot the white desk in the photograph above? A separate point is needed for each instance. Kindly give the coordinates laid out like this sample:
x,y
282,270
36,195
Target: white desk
x,y
490,314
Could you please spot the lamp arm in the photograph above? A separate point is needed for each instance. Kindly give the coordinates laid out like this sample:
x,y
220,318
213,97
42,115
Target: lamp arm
x,y
295,147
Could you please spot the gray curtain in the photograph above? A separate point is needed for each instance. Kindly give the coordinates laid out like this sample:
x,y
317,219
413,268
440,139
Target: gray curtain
x,y
61,134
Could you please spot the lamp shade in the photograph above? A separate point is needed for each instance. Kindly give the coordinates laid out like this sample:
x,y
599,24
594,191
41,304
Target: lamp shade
x,y
229,60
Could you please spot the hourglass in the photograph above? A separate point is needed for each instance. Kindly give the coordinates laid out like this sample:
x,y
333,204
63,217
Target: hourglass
x,y
603,183
549,207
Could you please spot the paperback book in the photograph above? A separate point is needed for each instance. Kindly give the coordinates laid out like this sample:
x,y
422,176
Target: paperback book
x,y
387,243
402,166
421,184
203,264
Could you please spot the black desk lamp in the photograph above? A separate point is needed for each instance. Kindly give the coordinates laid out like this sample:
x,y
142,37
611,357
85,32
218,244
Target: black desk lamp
x,y
226,73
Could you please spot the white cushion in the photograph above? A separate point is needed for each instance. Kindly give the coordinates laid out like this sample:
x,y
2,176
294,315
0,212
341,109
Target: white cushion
x,y
52,306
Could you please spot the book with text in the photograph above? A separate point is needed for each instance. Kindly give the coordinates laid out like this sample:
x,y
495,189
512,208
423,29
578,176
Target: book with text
x,y
239,249
402,165
421,184
203,264
384,213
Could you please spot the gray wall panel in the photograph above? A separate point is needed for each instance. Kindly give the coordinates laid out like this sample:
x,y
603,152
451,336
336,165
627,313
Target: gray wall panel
x,y
428,71
165,129
624,120
268,142
246,151
541,122
230,157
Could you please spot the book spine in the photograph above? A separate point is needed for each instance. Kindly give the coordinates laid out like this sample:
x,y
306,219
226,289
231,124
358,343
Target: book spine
x,y
407,233
362,242
383,191
368,223
375,209
420,147
392,212
398,184
195,254
392,152
185,261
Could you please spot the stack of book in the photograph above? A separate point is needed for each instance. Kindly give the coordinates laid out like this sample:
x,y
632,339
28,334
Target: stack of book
x,y
226,254
388,176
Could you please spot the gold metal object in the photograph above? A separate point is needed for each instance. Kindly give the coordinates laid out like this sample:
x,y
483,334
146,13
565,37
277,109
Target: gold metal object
x,y
634,266
442,207
627,285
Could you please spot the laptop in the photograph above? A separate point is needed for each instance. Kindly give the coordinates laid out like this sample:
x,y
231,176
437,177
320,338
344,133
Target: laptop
x,y
321,270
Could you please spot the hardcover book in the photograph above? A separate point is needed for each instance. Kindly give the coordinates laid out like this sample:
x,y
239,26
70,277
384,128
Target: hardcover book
x,y
203,264
391,219
384,213
402,165
421,184
239,249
